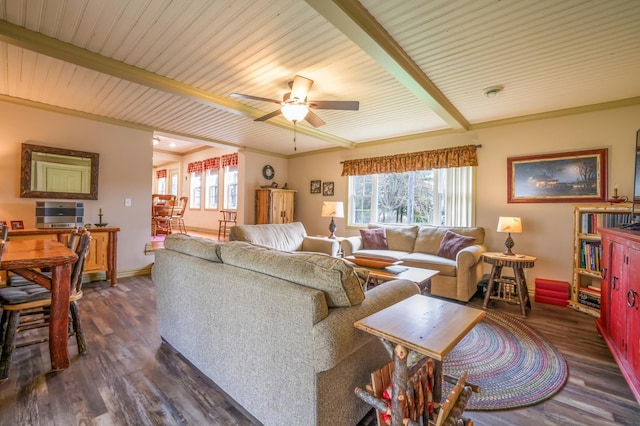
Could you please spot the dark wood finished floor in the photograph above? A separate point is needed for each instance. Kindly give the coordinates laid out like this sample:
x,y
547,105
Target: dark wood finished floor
x,y
128,377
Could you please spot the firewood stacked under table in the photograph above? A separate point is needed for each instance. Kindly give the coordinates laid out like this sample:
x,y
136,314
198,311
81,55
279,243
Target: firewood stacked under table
x,y
417,402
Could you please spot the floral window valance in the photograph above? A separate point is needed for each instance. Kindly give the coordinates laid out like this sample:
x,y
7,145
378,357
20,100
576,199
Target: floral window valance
x,y
460,156
161,173
194,167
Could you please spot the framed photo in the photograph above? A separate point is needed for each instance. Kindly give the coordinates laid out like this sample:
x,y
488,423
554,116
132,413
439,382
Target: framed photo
x,y
17,224
327,189
3,223
316,187
567,177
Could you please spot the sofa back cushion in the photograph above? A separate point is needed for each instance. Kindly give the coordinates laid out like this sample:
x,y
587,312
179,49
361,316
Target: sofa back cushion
x,y
430,237
452,243
331,275
204,248
280,236
374,239
400,238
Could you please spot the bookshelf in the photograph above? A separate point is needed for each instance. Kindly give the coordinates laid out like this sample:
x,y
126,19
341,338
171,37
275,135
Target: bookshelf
x,y
587,251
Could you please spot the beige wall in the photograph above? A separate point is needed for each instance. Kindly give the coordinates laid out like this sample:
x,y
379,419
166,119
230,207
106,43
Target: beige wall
x,y
125,164
548,227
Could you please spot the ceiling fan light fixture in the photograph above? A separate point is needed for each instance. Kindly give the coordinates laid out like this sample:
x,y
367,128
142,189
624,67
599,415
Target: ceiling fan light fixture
x,y
294,112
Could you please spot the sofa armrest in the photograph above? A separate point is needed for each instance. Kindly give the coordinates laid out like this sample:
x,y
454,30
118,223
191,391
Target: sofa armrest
x,y
335,337
321,245
470,256
351,245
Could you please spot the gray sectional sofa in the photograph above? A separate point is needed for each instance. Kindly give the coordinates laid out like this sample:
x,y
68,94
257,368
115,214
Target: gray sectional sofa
x,y
273,329
421,247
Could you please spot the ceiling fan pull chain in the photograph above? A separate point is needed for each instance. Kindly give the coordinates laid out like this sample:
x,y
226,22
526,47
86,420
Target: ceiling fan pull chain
x,y
295,148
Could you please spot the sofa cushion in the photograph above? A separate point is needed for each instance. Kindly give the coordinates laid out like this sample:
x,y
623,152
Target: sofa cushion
x,y
381,254
401,238
452,243
204,248
429,237
374,239
331,275
446,267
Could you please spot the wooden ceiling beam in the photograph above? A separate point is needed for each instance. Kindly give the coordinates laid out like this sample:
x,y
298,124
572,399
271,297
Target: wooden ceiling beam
x,y
350,17
36,42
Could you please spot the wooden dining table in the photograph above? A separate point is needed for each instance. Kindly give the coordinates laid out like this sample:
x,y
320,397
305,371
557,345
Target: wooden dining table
x,y
25,258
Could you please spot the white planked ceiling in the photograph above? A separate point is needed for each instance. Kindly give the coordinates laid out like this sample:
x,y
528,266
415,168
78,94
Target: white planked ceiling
x,y
415,66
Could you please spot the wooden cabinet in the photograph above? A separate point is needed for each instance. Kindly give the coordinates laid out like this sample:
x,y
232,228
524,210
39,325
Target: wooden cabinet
x,y
103,251
619,321
586,286
274,205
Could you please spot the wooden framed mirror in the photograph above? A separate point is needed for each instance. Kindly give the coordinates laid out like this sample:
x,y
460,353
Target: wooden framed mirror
x,y
48,172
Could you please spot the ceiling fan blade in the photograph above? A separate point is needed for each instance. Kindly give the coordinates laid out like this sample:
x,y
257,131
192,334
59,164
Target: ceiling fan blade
x,y
268,116
300,88
314,119
255,98
343,105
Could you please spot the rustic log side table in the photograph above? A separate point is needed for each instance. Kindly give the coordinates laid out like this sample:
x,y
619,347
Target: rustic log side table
x,y
426,325
512,290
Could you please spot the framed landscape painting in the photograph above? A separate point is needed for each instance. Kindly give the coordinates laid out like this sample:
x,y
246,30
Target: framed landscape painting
x,y
567,177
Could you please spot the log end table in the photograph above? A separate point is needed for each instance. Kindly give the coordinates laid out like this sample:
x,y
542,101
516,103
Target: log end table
x,y
508,289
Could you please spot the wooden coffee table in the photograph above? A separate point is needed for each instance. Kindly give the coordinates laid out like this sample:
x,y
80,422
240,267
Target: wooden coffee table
x,y
427,325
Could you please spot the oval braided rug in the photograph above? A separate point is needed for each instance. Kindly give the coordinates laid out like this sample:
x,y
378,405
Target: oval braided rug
x,y
513,364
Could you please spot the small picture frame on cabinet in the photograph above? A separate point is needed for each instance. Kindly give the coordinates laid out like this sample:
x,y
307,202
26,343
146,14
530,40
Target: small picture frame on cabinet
x,y
316,186
327,189
17,224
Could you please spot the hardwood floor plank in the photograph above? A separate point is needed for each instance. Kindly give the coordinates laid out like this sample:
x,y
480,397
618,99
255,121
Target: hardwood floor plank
x,y
129,377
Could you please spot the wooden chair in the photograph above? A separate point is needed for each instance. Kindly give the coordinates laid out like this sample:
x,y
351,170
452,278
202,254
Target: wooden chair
x,y
228,216
162,206
178,214
27,308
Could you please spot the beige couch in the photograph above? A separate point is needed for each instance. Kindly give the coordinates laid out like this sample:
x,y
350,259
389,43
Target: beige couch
x,y
273,329
285,237
418,246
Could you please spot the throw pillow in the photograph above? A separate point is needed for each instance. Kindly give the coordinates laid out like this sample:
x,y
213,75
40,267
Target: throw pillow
x,y
374,239
452,243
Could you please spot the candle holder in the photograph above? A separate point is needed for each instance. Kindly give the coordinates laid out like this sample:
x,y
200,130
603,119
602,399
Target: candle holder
x,y
618,199
101,224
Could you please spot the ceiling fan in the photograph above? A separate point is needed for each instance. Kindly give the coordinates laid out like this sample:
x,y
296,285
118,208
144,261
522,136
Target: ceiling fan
x,y
295,106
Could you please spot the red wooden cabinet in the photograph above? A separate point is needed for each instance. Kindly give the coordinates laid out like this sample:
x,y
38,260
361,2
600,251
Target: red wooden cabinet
x,y
619,322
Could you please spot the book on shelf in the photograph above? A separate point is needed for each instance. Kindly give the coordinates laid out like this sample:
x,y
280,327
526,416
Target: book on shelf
x,y
590,254
592,292
592,221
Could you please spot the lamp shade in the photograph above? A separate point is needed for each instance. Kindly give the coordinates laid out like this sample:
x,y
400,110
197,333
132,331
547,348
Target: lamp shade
x,y
509,224
294,112
333,209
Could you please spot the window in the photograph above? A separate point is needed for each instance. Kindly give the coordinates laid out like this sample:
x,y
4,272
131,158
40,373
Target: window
x,y
436,197
194,190
211,184
231,187
162,185
195,183
174,183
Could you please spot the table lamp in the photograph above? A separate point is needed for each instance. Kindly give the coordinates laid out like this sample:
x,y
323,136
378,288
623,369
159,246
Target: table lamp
x,y
509,224
332,209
